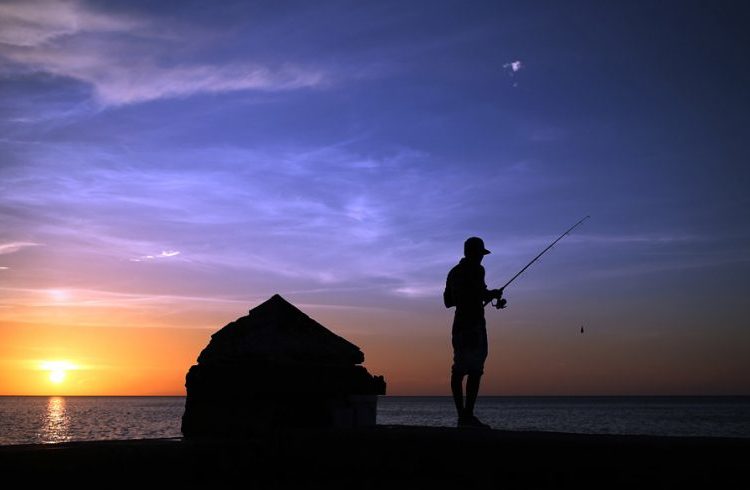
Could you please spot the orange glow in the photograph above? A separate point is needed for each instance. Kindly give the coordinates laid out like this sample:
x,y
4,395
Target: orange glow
x,y
107,350
53,354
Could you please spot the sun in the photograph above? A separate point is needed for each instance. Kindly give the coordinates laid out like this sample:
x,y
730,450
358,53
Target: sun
x,y
58,370
57,376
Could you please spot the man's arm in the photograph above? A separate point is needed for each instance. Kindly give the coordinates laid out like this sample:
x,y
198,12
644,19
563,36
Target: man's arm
x,y
489,294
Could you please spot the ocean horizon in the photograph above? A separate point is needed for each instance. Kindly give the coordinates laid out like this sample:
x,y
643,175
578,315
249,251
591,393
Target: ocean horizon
x,y
55,419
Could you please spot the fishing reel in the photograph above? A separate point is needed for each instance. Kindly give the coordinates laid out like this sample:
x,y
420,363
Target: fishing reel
x,y
497,299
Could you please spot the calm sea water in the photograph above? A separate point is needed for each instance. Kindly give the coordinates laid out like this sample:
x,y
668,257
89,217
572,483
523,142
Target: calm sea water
x,y
33,420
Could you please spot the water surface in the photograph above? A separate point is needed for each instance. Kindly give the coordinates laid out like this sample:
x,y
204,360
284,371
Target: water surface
x,y
35,420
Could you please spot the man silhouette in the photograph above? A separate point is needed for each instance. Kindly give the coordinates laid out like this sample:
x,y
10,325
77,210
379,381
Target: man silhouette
x,y
466,290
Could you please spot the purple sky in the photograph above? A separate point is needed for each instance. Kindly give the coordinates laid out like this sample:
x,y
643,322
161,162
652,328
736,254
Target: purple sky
x,y
193,158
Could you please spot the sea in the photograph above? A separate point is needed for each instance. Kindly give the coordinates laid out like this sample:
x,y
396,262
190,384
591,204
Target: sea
x,y
49,420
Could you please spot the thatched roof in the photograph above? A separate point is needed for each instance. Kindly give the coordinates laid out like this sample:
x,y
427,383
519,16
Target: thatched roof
x,y
277,331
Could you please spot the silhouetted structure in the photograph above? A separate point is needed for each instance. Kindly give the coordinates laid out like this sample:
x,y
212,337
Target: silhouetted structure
x,y
277,367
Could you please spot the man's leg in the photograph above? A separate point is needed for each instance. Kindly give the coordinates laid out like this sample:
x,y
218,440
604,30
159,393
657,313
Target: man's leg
x,y
479,354
458,392
472,390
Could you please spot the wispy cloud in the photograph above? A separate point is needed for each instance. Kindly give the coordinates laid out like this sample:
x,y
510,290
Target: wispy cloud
x,y
68,39
163,254
421,290
94,308
116,82
38,22
78,297
351,215
11,247
123,86
326,218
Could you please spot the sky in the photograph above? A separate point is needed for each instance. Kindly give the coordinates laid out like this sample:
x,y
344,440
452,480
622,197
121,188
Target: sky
x,y
167,166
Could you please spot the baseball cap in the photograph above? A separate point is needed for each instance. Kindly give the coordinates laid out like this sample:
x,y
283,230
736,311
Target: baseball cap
x,y
474,246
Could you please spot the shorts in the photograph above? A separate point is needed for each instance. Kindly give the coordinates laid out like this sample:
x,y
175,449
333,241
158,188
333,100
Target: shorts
x,y
469,347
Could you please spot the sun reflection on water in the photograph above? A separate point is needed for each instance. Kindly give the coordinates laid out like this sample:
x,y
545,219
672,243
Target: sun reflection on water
x,y
56,427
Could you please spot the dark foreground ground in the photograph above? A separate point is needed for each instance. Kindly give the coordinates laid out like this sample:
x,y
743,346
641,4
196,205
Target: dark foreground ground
x,y
389,457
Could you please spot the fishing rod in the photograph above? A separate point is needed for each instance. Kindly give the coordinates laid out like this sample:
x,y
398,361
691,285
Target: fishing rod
x,y
500,303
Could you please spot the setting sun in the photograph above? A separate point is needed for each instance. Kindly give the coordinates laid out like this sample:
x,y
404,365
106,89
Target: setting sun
x,y
57,370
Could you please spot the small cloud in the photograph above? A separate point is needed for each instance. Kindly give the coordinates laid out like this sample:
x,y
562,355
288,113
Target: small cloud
x,y
420,290
2,268
162,255
11,247
513,67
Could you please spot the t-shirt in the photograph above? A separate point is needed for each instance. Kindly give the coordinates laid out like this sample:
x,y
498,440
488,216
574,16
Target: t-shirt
x,y
466,289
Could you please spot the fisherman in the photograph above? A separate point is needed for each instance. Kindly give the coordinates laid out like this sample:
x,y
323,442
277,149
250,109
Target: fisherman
x,y
466,290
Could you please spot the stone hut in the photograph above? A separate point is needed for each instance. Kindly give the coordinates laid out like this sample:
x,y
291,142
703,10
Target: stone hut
x,y
277,367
